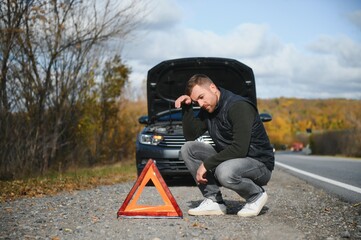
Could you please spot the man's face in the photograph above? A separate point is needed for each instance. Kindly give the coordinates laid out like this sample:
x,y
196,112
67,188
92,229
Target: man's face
x,y
205,96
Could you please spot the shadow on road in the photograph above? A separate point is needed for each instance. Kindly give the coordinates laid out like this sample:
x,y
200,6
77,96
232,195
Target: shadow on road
x,y
179,181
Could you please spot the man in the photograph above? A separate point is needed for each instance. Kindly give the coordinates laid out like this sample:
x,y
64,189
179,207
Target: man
x,y
242,159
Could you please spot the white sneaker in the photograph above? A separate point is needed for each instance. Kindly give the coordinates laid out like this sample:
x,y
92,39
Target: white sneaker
x,y
254,208
208,207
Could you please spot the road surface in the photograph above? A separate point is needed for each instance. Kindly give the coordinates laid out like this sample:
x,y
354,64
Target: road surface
x,y
336,175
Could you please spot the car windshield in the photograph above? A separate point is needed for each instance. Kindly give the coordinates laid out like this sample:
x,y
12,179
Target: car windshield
x,y
173,115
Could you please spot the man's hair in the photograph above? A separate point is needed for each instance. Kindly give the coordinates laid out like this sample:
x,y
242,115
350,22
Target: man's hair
x,y
197,79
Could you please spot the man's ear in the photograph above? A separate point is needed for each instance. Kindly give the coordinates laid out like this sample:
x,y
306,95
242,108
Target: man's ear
x,y
213,87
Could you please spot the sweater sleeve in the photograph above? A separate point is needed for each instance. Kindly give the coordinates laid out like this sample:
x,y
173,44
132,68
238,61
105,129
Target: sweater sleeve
x,y
193,127
241,116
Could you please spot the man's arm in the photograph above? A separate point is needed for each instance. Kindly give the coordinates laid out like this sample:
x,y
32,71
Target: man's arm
x,y
192,127
241,115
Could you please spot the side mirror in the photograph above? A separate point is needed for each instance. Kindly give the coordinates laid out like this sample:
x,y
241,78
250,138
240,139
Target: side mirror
x,y
265,117
143,120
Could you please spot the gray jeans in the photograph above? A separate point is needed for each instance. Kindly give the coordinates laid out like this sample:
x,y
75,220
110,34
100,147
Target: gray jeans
x,y
245,176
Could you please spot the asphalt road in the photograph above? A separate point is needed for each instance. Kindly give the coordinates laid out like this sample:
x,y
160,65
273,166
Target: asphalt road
x,y
336,175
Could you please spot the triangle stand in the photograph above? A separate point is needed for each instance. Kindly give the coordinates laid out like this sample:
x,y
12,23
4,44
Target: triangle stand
x,y
130,208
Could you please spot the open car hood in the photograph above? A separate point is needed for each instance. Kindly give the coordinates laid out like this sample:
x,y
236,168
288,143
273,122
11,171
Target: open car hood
x,y
167,80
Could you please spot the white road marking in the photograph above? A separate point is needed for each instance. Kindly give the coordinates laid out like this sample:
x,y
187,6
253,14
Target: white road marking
x,y
327,180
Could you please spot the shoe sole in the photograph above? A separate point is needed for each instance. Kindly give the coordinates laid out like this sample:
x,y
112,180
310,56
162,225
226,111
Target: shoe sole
x,y
206,213
254,214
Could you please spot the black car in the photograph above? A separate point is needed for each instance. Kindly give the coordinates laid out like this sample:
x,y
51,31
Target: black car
x,y
162,137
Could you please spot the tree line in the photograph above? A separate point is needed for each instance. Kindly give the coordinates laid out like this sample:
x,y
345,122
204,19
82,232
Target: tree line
x,y
59,91
329,126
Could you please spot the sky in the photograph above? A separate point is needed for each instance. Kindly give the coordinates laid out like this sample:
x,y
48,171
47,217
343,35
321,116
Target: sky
x,y
296,48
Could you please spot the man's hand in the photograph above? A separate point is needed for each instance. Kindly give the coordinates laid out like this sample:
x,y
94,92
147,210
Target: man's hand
x,y
201,175
182,99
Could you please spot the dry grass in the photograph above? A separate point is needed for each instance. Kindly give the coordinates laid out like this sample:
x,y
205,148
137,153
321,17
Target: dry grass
x,y
72,180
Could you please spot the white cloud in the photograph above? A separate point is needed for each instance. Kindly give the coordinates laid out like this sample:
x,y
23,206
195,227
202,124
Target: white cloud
x,y
161,14
346,50
328,67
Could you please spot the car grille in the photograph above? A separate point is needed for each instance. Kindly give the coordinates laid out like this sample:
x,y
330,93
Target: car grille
x,y
172,141
167,166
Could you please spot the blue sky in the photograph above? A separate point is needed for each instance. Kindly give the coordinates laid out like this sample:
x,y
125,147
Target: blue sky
x,y
294,21
303,48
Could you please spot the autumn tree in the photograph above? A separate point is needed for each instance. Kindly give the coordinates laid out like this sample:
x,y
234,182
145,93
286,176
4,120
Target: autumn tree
x,y
48,51
98,125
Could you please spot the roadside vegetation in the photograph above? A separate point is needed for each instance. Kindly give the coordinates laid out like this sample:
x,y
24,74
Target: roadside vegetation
x,y
71,180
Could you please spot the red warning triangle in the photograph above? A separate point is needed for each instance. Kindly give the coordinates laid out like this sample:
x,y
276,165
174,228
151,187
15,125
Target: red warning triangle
x,y
130,208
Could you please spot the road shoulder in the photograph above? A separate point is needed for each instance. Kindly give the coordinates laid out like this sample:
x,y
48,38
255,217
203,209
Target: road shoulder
x,y
295,210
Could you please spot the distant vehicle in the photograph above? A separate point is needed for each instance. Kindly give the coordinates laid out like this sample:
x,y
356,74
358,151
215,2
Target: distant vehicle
x,y
297,147
162,137
307,150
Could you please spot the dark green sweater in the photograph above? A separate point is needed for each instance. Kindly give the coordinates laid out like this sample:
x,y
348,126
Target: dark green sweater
x,y
241,115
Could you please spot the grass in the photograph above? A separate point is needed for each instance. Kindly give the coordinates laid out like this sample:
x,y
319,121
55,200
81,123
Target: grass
x,y
78,179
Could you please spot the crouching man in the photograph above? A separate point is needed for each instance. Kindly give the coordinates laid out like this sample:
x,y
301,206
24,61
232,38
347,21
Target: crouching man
x,y
242,159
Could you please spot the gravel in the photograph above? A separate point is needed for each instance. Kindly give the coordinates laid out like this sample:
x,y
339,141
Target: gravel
x,y
295,210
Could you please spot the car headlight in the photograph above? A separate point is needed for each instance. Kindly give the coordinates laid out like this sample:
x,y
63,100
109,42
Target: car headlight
x,y
150,139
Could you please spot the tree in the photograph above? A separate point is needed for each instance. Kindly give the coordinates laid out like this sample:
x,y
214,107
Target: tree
x,y
48,49
98,125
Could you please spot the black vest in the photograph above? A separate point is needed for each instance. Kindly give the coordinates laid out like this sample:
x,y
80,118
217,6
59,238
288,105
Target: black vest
x,y
220,129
